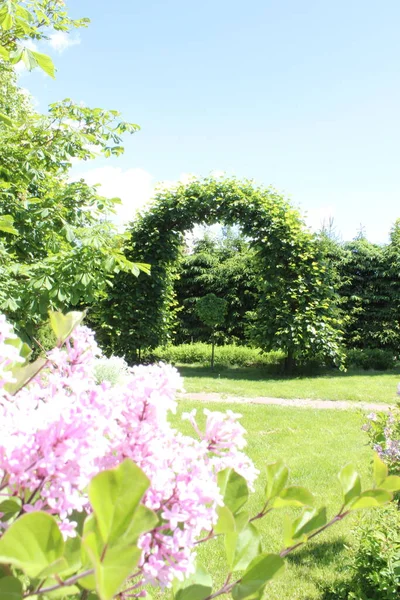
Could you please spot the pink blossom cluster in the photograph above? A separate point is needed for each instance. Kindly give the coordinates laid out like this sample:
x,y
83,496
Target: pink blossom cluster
x,y
62,429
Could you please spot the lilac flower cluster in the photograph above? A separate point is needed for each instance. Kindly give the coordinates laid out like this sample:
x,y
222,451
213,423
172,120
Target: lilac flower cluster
x,y
63,428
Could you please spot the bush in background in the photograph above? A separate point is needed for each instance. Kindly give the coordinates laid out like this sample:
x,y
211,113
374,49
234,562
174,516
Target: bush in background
x,y
371,358
375,561
114,370
226,356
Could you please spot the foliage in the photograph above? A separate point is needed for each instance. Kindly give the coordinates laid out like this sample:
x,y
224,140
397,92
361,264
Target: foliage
x,y
227,355
384,434
375,563
114,370
296,310
80,516
371,358
211,310
22,21
58,248
367,280
224,267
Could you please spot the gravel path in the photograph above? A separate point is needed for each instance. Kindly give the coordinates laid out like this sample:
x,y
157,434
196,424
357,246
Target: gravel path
x,y
296,402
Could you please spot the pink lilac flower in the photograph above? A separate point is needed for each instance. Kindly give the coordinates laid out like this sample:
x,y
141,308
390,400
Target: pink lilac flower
x,y
61,430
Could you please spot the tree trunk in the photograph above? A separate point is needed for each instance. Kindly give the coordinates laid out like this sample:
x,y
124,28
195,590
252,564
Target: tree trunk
x,y
212,349
290,363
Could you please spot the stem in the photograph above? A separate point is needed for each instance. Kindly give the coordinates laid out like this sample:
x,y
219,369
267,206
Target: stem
x,y
60,585
334,520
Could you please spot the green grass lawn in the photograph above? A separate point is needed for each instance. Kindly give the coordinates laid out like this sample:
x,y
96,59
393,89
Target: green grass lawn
x,y
315,444
367,386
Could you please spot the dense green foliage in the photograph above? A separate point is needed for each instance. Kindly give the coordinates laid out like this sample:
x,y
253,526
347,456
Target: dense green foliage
x,y
224,267
226,355
57,248
374,568
296,309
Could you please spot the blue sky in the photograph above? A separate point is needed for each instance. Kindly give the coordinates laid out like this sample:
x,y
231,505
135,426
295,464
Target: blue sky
x,y
301,95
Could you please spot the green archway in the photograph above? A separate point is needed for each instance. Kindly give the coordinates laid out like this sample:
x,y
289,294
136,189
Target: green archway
x,y
297,307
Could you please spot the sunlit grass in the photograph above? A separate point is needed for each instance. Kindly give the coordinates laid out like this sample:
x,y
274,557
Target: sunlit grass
x,y
367,386
315,444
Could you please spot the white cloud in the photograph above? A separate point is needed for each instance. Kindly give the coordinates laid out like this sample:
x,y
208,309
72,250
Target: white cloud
x,y
60,41
134,187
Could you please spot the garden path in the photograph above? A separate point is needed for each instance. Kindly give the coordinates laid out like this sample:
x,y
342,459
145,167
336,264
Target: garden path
x,y
296,402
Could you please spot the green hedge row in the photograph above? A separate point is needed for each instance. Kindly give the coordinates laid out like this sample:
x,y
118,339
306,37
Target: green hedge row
x,y
228,355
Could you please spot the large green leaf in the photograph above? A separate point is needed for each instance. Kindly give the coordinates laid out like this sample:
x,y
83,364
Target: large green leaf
x,y
261,570
371,498
32,543
45,63
114,569
233,489
22,375
241,548
351,483
196,587
226,521
277,476
294,496
380,470
10,588
9,508
391,483
6,221
115,496
309,520
63,325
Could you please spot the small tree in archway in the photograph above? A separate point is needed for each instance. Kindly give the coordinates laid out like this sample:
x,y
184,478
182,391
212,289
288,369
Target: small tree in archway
x,y
211,310
296,310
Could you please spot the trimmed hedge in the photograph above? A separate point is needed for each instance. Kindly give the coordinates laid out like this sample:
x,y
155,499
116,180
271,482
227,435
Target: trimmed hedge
x,y
226,356
371,358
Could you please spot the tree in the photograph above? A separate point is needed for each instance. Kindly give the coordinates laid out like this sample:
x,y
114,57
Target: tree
x,y
58,248
224,267
211,311
35,20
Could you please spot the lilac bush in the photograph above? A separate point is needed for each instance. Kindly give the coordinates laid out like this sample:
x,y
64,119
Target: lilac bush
x,y
101,496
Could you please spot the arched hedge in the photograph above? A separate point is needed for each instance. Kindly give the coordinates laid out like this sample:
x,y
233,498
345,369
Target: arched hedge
x,y
297,305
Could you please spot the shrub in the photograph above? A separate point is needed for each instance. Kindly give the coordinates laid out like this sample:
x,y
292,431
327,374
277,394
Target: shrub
x,y
225,356
115,370
374,568
371,358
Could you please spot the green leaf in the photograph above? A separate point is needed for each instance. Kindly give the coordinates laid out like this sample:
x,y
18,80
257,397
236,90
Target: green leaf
x,y
380,470
391,483
261,570
277,476
371,498
6,221
294,496
241,548
45,63
310,520
8,122
9,508
114,569
115,496
196,587
32,543
23,375
226,521
11,589
63,325
233,489
29,59
351,483
7,22
4,54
